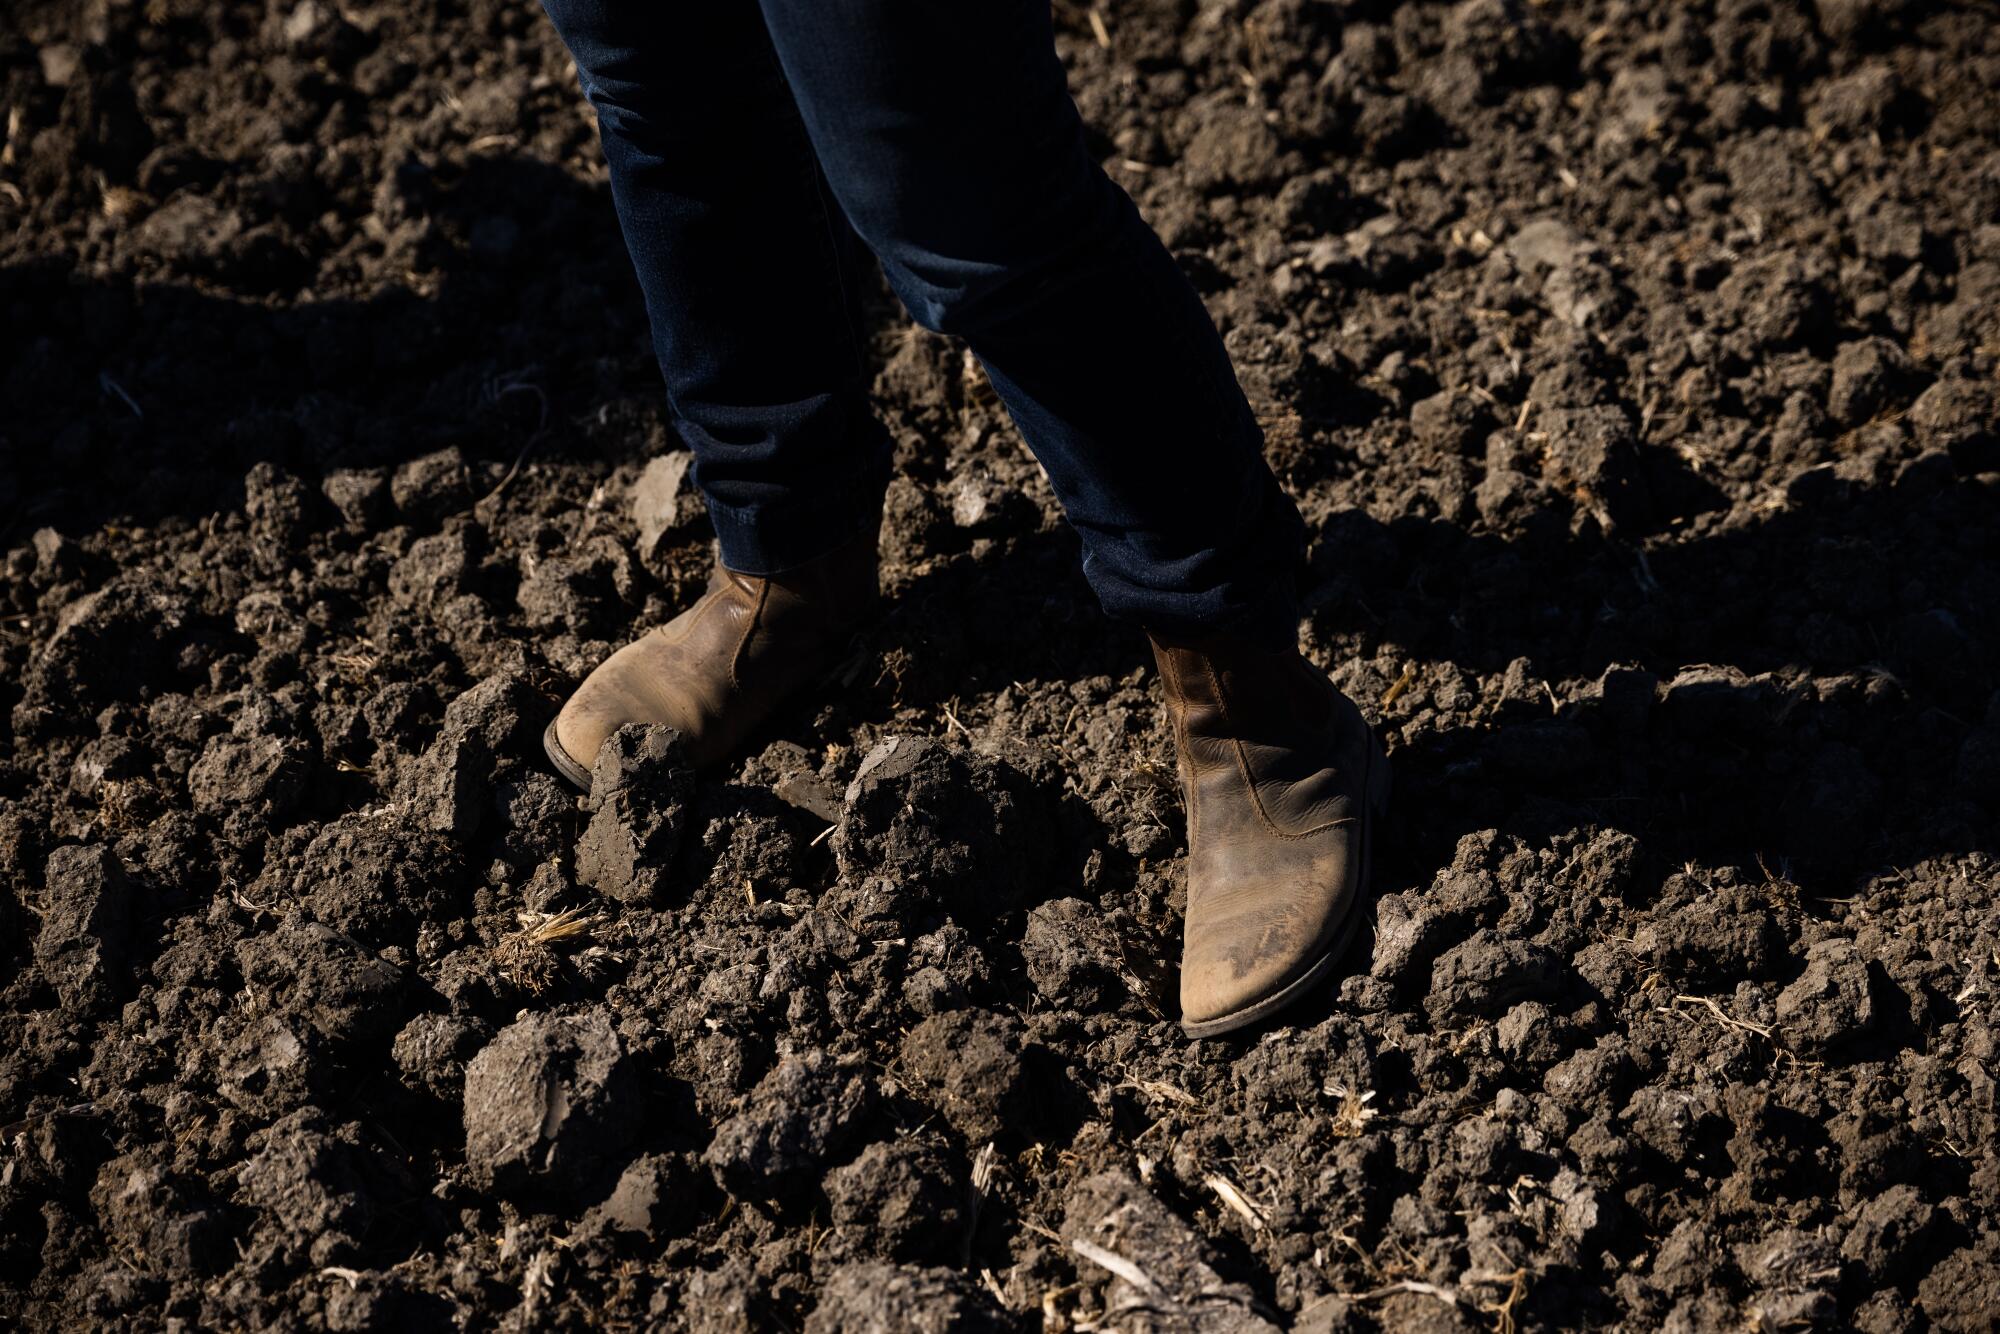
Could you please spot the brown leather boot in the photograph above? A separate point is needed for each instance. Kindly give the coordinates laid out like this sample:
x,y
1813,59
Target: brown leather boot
x,y
1283,781
719,668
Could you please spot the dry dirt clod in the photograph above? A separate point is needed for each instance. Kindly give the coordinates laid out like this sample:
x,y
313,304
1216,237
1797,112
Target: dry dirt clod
x,y
86,911
1159,1266
800,1118
874,1298
639,790
549,1103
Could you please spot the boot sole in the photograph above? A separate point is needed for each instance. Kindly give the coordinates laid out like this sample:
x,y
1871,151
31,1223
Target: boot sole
x,y
576,774
1375,807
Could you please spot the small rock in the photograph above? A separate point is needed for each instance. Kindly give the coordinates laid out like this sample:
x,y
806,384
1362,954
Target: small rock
x,y
981,502
1544,245
60,62
806,791
1586,1211
1643,100
1585,296
1386,252
56,557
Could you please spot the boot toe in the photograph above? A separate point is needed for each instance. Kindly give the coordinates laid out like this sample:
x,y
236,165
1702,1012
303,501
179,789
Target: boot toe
x,y
1212,991
1239,969
589,716
563,757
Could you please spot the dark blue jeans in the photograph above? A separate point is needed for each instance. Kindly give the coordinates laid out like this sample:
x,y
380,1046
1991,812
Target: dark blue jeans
x,y
754,145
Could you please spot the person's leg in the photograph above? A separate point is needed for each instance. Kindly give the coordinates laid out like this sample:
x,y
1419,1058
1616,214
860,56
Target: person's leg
x,y
948,135
738,247
739,251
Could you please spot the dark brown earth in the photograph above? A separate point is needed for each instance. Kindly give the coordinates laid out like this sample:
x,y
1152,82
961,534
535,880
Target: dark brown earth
x,y
1635,366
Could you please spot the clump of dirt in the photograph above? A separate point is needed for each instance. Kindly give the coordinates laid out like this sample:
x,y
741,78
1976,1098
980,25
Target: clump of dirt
x,y
1635,370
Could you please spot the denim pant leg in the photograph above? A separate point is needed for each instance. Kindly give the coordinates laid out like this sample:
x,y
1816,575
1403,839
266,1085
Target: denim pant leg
x,y
744,261
947,133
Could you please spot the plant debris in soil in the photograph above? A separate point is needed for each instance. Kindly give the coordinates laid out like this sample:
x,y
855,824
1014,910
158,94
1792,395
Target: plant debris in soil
x,y
1635,369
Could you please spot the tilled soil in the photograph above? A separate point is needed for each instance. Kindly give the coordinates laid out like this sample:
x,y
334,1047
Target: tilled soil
x,y
1635,367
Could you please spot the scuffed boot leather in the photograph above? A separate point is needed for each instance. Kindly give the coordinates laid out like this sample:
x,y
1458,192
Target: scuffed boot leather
x,y
1283,781
719,668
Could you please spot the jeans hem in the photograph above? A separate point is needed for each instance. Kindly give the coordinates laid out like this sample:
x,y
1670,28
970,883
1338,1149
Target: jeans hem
x,y
756,541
